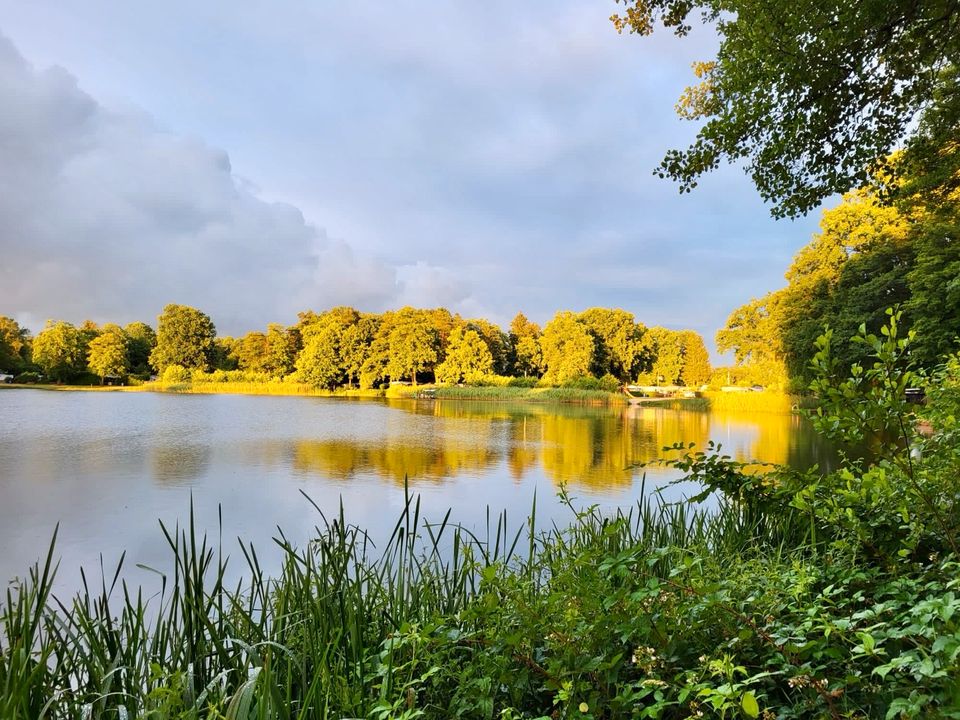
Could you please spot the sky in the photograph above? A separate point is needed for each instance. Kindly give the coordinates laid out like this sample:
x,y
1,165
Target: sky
x,y
257,159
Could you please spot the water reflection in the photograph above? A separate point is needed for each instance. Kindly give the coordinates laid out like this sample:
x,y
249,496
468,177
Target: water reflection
x,y
590,447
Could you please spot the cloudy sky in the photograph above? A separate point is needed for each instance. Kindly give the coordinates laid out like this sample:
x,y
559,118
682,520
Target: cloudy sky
x,y
255,159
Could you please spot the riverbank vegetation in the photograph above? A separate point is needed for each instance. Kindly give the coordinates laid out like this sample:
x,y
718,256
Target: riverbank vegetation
x,y
793,595
344,349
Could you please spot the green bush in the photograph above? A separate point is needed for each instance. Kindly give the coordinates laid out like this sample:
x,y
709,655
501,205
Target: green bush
x,y
175,374
27,378
523,382
607,383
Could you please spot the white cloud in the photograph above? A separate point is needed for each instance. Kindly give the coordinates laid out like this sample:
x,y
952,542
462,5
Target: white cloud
x,y
105,215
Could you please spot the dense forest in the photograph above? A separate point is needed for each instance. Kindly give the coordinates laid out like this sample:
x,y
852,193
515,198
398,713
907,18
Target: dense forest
x,y
343,347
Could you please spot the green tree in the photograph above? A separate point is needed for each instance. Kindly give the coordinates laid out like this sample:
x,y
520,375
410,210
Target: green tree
x,y
281,349
567,348
141,339
185,337
253,353
319,362
414,347
58,352
14,345
696,360
107,354
355,345
810,94
666,349
934,285
617,347
468,357
525,344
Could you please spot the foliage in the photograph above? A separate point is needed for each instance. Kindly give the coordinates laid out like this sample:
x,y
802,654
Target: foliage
x,y
696,360
812,95
14,345
866,257
618,348
57,351
468,358
174,374
525,344
141,340
107,354
567,348
185,337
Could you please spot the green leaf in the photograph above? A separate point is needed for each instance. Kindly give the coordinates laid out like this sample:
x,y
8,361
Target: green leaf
x,y
751,708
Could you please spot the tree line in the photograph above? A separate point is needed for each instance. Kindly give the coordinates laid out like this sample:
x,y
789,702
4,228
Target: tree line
x,y
870,254
343,347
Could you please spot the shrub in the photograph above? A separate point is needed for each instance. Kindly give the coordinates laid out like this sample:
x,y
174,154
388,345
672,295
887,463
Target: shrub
x,y
27,378
175,374
523,382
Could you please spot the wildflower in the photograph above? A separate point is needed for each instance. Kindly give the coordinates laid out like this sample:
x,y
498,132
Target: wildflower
x,y
584,708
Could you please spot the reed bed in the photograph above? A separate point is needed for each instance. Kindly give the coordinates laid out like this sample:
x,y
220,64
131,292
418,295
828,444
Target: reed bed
x,y
345,630
521,394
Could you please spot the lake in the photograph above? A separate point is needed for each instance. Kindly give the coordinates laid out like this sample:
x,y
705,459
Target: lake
x,y
107,466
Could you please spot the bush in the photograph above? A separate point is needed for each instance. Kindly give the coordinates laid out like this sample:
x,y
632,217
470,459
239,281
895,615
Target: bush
x,y
175,374
27,378
523,382
608,383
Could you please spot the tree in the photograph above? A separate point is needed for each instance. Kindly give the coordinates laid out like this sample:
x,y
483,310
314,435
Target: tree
x,y
413,348
617,341
281,350
141,339
567,348
185,337
812,95
666,349
57,350
253,352
696,360
468,357
14,345
525,344
355,345
319,361
107,354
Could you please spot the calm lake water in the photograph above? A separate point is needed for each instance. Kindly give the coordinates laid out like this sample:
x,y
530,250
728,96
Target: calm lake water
x,y
108,466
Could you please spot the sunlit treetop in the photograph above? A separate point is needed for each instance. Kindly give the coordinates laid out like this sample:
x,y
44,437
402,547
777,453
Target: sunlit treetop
x,y
813,95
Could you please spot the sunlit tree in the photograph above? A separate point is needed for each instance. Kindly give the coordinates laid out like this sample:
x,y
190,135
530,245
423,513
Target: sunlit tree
x,y
57,350
185,337
107,354
468,357
567,348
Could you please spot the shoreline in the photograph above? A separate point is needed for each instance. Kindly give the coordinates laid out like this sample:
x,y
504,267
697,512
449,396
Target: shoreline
x,y
755,402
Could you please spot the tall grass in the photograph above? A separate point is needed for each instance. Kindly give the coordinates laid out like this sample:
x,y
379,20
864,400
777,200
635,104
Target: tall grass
x,y
334,635
535,394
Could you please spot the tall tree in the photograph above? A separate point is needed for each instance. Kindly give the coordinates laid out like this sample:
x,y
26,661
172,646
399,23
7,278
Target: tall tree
x,y
185,337
617,338
58,352
14,345
567,348
107,354
812,94
696,359
468,357
414,347
525,344
141,339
